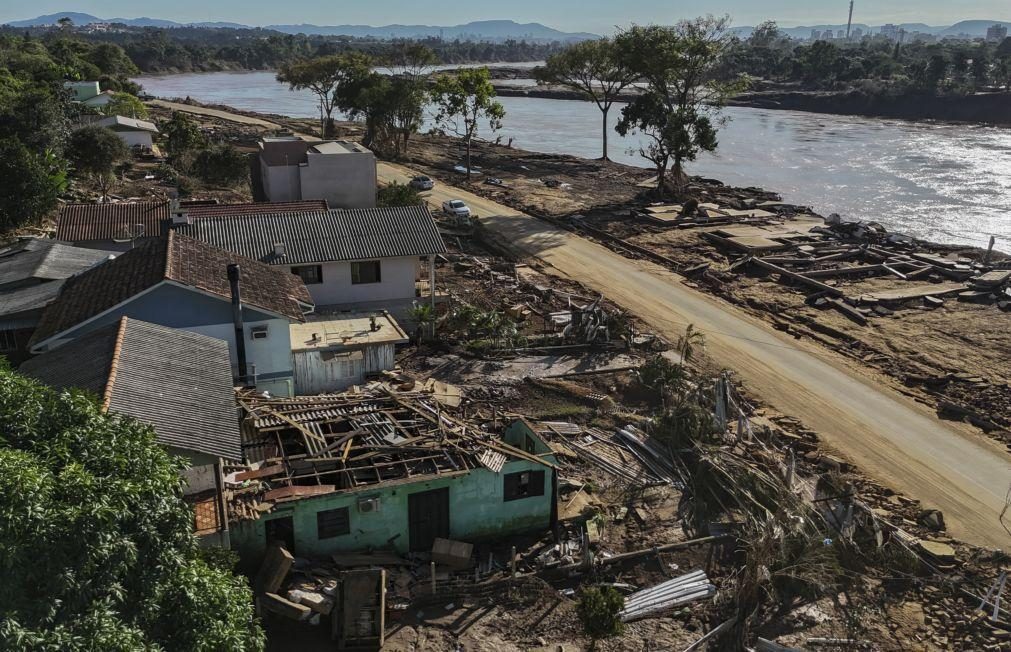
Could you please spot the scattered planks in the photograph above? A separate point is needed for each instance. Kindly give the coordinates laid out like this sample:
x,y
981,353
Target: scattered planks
x,y
800,278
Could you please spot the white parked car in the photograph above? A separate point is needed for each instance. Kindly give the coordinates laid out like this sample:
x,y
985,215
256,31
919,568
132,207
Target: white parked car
x,y
456,208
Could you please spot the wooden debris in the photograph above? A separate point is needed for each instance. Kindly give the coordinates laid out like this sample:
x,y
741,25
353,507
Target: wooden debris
x,y
276,564
284,607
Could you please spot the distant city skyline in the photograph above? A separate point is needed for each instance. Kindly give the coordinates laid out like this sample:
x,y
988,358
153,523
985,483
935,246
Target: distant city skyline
x,y
600,16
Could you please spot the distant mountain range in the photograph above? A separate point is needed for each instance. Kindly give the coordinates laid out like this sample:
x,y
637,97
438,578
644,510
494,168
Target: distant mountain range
x,y
485,30
974,28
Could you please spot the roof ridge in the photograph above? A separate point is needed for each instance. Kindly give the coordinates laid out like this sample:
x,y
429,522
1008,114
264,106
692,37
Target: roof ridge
x,y
114,365
169,243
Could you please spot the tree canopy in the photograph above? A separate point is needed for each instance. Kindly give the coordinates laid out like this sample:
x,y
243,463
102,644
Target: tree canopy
x,y
680,108
326,77
97,151
593,68
96,544
464,100
30,184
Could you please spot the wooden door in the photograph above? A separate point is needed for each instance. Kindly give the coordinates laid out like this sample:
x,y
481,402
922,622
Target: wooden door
x,y
428,518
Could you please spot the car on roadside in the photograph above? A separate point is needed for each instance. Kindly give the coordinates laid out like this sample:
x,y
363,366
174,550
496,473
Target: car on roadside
x,y
421,182
456,208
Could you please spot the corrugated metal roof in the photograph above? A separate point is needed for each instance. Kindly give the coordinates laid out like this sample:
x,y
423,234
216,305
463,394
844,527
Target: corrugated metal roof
x,y
32,297
324,236
179,382
44,259
225,210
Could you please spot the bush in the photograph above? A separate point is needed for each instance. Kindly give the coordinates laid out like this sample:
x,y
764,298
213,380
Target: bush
x,y
397,194
598,610
30,184
221,165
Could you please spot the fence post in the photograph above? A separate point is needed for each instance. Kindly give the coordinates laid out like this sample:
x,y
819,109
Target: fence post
x,y
433,578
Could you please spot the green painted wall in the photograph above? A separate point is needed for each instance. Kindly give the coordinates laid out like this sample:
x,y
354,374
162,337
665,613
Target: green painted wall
x,y
476,511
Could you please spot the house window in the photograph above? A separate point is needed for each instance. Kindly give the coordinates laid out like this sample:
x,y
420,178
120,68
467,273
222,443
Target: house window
x,y
8,341
332,523
310,274
524,484
365,272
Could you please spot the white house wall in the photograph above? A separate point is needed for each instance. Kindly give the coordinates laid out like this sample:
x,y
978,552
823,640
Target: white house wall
x,y
269,357
398,283
135,138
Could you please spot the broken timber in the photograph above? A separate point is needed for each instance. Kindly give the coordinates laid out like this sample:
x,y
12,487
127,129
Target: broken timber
x,y
800,278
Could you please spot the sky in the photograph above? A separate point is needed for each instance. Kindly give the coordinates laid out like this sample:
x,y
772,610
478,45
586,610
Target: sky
x,y
599,16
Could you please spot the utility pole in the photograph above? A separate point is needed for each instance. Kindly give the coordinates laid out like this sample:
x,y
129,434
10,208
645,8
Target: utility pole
x,y
849,24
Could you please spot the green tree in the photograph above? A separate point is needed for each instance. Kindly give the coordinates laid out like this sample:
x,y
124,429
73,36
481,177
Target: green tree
x,y
681,106
125,105
398,194
222,165
96,543
30,184
181,135
325,76
97,152
594,69
598,610
463,101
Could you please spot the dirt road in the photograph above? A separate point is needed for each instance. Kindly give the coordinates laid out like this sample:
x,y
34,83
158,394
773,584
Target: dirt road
x,y
893,439
889,437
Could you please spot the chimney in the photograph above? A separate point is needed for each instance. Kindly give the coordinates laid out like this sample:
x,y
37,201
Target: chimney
x,y
279,249
179,213
240,336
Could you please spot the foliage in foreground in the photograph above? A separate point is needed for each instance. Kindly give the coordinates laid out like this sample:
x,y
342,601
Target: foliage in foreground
x,y
397,194
598,610
96,544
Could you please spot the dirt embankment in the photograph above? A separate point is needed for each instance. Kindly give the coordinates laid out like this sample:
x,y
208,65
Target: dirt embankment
x,y
990,108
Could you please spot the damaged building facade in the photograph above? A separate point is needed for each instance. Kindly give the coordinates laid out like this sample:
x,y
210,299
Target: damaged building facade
x,y
382,470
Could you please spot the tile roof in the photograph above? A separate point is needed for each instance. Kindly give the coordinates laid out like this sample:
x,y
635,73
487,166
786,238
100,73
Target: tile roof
x,y
177,381
173,258
115,221
324,236
44,259
111,221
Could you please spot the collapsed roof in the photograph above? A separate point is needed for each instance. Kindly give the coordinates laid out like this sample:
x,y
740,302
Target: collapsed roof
x,y
323,444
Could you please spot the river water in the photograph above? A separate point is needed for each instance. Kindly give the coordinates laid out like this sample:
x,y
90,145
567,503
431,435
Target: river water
x,y
943,182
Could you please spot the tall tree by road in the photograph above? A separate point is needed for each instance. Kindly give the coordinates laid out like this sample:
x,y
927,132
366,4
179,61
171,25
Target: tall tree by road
x,y
463,101
680,110
96,544
324,76
592,68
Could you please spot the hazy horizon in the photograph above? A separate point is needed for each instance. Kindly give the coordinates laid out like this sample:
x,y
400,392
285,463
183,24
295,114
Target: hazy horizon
x,y
583,16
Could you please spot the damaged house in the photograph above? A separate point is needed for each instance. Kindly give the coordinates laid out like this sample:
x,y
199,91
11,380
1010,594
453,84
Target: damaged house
x,y
182,283
381,469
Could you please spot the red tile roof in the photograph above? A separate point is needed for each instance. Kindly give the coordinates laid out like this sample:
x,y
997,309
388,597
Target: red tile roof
x,y
173,258
117,221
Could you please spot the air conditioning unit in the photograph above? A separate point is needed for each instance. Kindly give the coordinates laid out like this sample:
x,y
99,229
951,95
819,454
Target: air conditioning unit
x,y
369,505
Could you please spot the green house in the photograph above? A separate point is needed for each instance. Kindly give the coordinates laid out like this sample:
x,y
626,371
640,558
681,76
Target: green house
x,y
487,490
